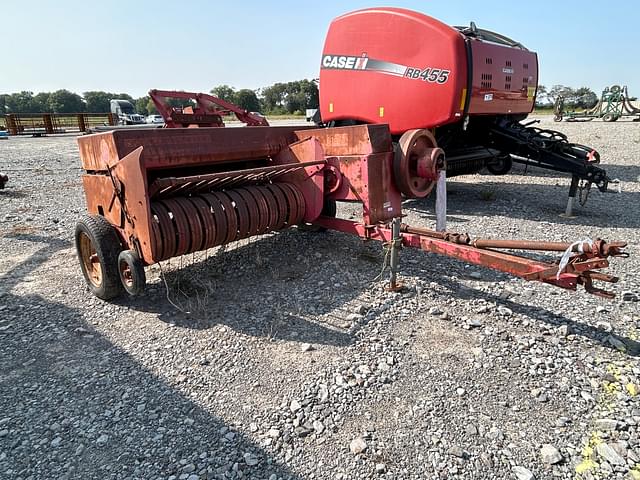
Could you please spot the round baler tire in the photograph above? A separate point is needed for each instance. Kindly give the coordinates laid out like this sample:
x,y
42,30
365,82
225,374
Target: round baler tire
x,y
98,246
609,117
131,272
504,166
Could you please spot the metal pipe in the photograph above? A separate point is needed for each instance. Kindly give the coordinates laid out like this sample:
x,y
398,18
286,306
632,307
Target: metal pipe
x,y
459,238
441,201
524,245
422,231
394,260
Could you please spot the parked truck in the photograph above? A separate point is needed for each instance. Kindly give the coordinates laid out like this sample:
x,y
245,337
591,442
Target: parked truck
x,y
126,112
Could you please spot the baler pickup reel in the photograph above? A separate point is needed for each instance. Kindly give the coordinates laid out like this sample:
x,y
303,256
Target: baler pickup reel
x,y
157,194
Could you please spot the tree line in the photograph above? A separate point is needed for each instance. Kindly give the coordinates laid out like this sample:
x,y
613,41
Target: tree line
x,y
277,99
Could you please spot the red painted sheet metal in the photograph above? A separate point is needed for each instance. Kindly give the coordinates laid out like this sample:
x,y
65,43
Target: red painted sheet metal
x,y
504,79
395,66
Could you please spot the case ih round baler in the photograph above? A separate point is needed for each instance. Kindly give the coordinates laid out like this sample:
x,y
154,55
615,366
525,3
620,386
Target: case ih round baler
x,y
470,88
157,194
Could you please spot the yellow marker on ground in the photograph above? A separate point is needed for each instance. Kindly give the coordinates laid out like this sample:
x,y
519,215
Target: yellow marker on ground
x,y
588,463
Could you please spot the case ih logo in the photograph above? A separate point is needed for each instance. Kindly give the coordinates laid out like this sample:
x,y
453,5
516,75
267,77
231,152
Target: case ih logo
x,y
344,62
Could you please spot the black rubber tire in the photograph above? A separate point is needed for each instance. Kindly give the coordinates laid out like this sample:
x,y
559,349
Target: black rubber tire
x,y
135,279
557,118
609,117
106,243
329,209
502,166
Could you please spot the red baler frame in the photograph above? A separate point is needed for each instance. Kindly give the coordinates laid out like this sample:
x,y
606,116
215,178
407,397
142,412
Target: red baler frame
x,y
158,188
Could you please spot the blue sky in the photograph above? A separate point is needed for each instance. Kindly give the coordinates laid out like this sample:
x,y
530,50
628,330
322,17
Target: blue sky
x,y
133,46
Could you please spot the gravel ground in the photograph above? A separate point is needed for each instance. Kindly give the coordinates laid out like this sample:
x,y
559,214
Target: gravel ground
x,y
286,359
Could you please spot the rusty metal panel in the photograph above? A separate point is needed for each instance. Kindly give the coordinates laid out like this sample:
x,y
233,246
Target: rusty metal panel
x,y
353,140
384,199
367,179
309,181
182,147
101,199
97,151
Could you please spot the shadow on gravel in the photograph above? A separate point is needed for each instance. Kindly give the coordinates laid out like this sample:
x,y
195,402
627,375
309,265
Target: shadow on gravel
x,y
234,301
532,202
625,345
273,287
8,192
17,273
624,173
74,406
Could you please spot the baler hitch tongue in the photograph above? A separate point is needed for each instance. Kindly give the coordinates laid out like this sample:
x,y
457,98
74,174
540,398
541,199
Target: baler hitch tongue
x,y
581,259
575,267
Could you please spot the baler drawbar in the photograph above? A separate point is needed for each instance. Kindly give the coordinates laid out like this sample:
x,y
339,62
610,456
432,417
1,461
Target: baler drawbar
x,y
157,194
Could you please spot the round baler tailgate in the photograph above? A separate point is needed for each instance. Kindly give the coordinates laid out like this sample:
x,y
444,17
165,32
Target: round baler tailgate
x,y
504,79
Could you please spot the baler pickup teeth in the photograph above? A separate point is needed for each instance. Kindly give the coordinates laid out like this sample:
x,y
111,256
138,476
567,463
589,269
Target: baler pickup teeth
x,y
189,224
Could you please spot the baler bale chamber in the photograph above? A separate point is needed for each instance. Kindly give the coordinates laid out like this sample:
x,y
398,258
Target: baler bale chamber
x,y
162,193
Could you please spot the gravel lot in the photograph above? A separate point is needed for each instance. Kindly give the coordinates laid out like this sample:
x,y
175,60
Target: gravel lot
x,y
293,362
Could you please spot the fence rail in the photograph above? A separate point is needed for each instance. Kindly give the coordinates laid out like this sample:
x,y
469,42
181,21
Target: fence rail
x,y
37,124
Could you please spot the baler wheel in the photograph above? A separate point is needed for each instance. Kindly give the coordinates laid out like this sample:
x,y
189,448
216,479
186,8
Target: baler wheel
x,y
609,117
500,165
98,247
131,272
413,145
